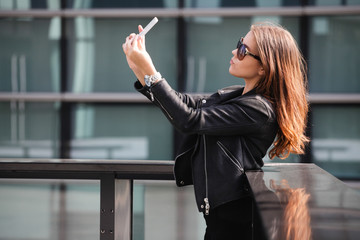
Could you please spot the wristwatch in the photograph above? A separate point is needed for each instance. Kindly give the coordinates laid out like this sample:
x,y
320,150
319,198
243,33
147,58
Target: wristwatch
x,y
150,80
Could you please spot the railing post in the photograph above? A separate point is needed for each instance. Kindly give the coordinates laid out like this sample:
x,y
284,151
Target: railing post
x,y
115,208
123,209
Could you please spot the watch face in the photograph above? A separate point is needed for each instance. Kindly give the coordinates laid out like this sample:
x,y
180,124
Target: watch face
x,y
147,81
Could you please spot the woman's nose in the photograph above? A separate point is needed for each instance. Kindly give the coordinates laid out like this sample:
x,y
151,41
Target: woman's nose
x,y
234,51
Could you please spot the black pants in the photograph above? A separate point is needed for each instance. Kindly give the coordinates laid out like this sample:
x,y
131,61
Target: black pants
x,y
230,221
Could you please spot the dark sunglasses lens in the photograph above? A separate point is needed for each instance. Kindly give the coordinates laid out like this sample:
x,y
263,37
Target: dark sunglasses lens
x,y
241,51
239,44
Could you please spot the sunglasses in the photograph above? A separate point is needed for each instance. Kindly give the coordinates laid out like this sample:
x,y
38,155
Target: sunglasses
x,y
242,51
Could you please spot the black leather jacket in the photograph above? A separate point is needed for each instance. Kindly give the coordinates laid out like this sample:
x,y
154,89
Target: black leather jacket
x,y
226,134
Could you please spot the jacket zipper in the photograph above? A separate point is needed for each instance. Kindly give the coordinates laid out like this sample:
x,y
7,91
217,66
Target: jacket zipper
x,y
230,156
206,199
153,98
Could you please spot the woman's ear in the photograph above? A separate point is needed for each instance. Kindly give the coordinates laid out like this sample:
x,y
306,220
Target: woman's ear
x,y
261,71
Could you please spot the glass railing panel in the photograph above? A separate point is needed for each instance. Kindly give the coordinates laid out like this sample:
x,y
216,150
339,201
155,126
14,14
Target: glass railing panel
x,y
163,211
70,209
49,209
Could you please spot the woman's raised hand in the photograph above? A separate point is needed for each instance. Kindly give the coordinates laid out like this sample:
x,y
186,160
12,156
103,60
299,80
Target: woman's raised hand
x,y
137,57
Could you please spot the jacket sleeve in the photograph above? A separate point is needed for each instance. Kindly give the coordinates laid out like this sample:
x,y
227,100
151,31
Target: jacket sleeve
x,y
188,115
189,100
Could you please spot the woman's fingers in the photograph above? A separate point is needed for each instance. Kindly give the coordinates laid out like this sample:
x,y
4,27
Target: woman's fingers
x,y
134,49
130,39
134,41
128,42
138,43
142,38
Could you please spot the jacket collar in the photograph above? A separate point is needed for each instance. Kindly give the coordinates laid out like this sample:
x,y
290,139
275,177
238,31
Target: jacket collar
x,y
251,92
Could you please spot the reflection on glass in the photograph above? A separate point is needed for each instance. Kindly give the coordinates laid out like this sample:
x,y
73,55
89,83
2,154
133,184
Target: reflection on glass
x,y
29,130
296,216
163,211
55,209
96,60
29,55
121,4
70,209
120,132
292,158
83,55
240,3
334,47
336,139
333,2
209,52
29,4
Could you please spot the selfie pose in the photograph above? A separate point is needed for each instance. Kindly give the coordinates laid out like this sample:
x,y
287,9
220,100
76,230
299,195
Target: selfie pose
x,y
230,131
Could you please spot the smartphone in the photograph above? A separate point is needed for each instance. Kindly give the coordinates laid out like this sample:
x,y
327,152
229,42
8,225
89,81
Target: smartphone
x,y
149,26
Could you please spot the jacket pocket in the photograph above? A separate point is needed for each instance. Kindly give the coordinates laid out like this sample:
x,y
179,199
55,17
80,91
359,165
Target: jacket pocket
x,y
230,156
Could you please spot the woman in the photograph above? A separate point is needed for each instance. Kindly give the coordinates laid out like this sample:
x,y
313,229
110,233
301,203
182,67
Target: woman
x,y
230,131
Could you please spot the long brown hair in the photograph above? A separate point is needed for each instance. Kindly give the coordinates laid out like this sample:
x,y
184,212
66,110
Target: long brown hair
x,y
285,85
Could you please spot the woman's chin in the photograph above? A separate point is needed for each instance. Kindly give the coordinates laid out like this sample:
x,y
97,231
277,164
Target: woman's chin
x,y
231,71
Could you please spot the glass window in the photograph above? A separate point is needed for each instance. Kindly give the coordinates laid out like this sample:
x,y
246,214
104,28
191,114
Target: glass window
x,y
210,43
97,62
353,2
336,139
334,54
121,4
29,55
29,130
333,2
121,132
240,3
29,4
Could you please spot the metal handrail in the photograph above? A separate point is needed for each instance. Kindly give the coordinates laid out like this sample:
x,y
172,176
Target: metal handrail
x,y
86,168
